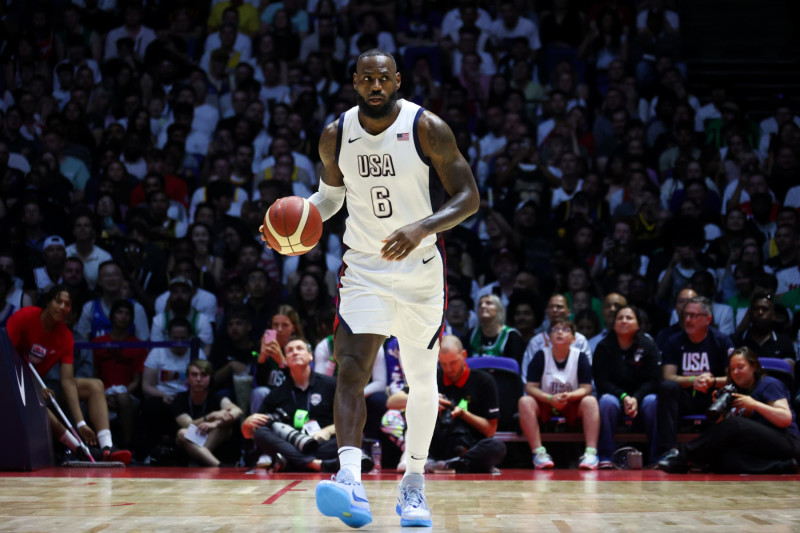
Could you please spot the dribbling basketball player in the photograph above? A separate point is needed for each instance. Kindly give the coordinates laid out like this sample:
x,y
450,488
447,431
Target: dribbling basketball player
x,y
390,159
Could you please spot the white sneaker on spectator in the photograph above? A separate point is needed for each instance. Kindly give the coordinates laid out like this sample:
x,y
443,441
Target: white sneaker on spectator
x,y
264,461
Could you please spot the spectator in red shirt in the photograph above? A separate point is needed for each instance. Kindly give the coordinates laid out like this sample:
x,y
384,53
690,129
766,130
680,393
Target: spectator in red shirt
x,y
120,369
40,335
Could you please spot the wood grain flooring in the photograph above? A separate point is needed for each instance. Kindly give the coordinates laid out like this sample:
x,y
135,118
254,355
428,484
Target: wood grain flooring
x,y
222,500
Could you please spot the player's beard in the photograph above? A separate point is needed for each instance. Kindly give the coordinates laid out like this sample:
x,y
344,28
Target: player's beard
x,y
377,112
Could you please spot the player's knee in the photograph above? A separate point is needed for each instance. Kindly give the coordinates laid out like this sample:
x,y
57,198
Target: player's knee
x,y
353,368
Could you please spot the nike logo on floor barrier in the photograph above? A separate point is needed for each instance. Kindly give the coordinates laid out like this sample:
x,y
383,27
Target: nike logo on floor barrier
x,y
426,261
21,384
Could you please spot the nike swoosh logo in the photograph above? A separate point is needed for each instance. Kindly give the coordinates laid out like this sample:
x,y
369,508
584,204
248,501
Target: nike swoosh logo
x,y
426,261
357,498
353,140
21,384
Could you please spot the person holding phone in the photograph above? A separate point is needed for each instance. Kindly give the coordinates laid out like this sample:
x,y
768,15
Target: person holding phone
x,y
270,370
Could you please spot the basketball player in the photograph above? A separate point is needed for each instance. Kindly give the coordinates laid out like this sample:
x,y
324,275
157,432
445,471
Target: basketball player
x,y
389,159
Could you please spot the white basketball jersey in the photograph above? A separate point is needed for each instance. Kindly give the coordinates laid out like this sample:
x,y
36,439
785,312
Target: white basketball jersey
x,y
389,180
557,380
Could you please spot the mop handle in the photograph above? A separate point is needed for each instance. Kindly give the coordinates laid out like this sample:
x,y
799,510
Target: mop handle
x,y
61,413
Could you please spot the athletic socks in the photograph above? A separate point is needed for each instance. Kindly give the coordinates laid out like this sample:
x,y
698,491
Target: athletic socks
x,y
350,460
419,365
104,438
69,441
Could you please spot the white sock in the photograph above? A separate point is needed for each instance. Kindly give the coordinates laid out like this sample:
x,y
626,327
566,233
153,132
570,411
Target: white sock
x,y
69,441
419,365
350,460
104,438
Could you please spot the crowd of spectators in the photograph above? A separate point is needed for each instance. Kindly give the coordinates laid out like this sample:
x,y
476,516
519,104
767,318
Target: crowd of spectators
x,y
142,142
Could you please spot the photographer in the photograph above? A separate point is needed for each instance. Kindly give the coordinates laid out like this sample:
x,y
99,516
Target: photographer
x,y
761,436
468,411
307,398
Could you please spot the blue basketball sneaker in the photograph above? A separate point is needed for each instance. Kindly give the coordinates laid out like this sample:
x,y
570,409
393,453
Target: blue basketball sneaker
x,y
411,504
345,499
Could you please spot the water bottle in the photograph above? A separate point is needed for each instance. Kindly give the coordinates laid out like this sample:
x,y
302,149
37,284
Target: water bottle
x,y
375,453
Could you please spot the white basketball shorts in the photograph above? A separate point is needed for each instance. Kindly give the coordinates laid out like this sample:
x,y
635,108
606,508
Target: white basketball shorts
x,y
401,298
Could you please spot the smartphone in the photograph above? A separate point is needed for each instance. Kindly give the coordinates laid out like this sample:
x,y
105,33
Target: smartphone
x,y
269,336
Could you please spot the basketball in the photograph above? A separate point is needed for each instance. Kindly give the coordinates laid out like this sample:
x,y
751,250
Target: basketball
x,y
292,225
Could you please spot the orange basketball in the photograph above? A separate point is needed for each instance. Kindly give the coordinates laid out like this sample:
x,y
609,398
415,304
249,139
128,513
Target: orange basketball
x,y
292,225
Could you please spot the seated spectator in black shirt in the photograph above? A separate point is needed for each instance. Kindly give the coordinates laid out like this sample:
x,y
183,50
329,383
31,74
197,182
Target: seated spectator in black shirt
x,y
306,397
491,337
468,415
762,336
233,352
626,374
785,243
212,416
694,362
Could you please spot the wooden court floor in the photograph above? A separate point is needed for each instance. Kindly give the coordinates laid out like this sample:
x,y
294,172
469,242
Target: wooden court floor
x,y
222,500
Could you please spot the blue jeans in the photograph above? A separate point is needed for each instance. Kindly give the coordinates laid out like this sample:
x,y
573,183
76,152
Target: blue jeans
x,y
610,411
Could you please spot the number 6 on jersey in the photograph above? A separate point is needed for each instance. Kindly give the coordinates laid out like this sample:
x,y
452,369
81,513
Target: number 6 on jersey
x,y
381,205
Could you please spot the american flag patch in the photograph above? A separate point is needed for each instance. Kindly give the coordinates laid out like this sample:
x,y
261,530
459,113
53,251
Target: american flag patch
x,y
402,136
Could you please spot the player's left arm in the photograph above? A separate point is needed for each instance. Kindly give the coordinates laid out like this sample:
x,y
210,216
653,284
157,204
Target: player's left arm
x,y
439,145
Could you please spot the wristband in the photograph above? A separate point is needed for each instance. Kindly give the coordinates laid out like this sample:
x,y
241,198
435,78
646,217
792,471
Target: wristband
x,y
549,397
80,424
622,396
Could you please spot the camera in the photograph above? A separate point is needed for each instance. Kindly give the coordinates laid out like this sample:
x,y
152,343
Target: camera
x,y
298,439
277,424
723,402
447,414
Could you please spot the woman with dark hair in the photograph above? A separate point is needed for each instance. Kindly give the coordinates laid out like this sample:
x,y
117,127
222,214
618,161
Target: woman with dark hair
x,y
208,263
287,40
759,433
522,311
110,220
626,374
269,372
606,42
75,127
311,299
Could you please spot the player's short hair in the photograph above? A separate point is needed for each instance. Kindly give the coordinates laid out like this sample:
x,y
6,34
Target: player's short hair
x,y
375,52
